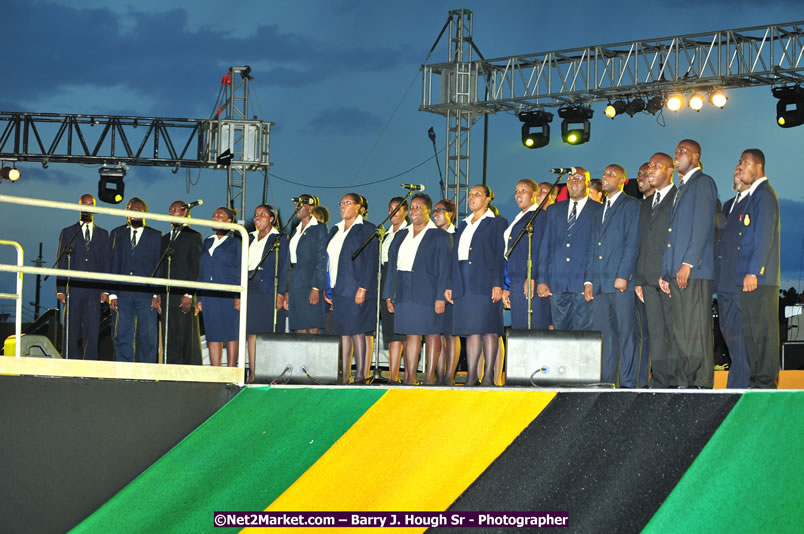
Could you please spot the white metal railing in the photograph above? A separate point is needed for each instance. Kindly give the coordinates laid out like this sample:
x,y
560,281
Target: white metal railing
x,y
17,296
87,275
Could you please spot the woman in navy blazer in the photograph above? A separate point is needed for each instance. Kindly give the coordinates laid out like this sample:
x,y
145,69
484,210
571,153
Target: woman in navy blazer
x,y
478,270
307,279
261,298
413,287
354,284
220,264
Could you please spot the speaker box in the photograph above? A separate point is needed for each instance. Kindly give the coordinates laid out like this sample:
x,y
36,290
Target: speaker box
x,y
297,359
793,356
553,357
31,346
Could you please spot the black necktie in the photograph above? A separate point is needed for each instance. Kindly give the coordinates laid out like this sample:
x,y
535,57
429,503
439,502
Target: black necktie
x,y
656,200
606,209
87,238
133,238
736,201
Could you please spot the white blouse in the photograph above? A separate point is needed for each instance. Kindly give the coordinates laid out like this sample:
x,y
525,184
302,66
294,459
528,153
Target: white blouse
x,y
409,247
257,248
334,248
466,236
389,236
294,241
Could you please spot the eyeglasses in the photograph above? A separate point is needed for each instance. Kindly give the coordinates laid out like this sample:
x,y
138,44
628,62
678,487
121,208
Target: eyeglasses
x,y
346,202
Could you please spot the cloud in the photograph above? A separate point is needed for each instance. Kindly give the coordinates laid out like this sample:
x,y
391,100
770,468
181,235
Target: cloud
x,y
345,120
156,54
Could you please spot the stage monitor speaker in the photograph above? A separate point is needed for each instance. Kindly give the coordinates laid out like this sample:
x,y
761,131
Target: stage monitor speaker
x,y
31,346
297,359
793,356
553,358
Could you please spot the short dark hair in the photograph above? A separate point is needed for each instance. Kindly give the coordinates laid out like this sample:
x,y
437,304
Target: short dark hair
x,y
321,212
137,199
424,197
695,144
531,183
757,154
229,211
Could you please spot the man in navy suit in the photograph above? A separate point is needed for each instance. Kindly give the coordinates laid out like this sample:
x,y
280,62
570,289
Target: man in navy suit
x,y
654,218
646,191
688,268
562,254
728,293
610,265
83,246
758,271
135,251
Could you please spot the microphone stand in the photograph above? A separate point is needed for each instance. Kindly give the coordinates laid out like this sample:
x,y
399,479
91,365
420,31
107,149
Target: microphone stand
x,y
168,253
432,135
273,246
67,250
529,229
379,232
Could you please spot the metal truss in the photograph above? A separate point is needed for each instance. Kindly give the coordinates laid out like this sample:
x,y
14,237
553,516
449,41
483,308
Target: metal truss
x,y
761,55
149,141
459,89
247,140
103,139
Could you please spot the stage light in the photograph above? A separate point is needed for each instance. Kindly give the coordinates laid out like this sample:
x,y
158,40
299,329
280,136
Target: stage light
x,y
718,98
111,188
617,108
675,102
10,173
697,101
790,107
225,158
532,138
635,106
574,116
654,105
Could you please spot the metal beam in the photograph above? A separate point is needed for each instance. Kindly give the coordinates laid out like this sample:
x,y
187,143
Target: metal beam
x,y
761,55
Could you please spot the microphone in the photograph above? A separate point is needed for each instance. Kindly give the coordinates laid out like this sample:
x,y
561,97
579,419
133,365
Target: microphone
x,y
413,187
563,170
191,205
301,200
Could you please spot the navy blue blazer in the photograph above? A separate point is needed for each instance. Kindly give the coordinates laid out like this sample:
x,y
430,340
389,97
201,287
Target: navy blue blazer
x,y
223,267
517,267
96,259
310,269
562,257
691,234
431,266
138,261
758,239
362,271
486,258
653,225
263,280
726,248
614,246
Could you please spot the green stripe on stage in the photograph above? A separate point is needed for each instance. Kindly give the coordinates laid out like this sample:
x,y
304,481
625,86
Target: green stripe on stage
x,y
241,458
750,475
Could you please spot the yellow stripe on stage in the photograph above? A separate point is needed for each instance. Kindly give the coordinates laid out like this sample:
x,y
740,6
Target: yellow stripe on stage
x,y
414,450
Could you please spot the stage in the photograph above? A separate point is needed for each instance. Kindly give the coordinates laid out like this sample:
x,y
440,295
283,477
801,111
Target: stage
x,y
115,455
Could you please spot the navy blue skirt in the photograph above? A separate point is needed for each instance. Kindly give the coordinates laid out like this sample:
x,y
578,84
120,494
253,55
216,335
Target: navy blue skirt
x,y
540,319
351,319
411,317
260,313
302,314
476,314
221,319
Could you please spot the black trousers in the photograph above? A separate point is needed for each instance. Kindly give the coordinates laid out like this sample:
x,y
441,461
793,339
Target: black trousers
x,y
663,362
760,310
693,333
